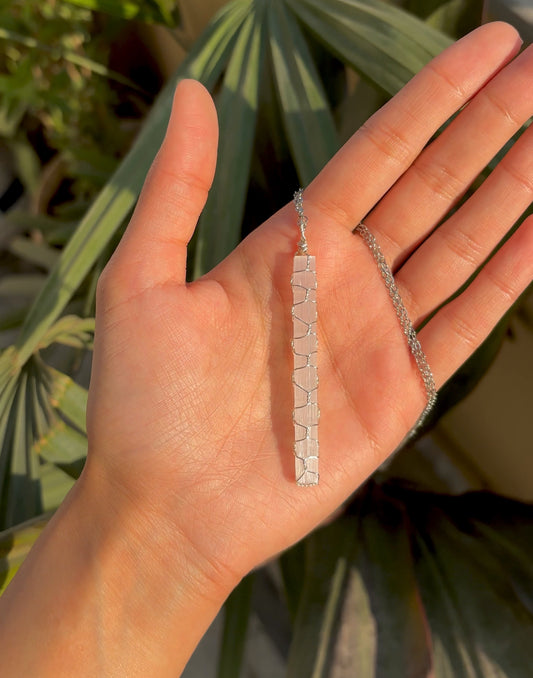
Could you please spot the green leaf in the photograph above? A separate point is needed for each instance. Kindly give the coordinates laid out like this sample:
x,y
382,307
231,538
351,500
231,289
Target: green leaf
x,y
452,657
356,642
307,117
27,164
401,647
117,198
55,485
479,582
70,331
38,253
236,615
21,498
423,8
21,285
210,53
505,527
11,318
11,114
518,558
428,588
64,447
9,375
69,398
30,399
291,564
24,221
457,17
371,619
90,163
381,42
219,227
327,562
480,626
15,544
67,55
164,12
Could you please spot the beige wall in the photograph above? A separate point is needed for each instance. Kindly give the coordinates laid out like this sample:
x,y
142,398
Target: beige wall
x,y
491,432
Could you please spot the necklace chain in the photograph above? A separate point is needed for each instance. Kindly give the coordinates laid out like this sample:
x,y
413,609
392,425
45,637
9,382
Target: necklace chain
x,y
405,323
302,220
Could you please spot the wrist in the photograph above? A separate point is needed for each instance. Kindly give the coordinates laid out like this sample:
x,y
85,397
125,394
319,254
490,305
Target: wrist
x,y
161,592
141,529
107,590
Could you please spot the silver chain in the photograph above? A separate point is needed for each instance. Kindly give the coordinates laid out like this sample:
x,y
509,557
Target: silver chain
x,y
405,323
302,220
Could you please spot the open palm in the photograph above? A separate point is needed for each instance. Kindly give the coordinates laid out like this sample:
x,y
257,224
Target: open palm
x,y
191,395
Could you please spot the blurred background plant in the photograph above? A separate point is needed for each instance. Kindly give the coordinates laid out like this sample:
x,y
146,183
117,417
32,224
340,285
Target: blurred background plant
x,y
57,93
409,579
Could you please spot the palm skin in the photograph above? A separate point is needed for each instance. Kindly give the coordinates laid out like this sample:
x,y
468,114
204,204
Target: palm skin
x,y
190,403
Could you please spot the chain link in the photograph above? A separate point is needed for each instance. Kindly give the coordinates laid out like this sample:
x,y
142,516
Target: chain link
x,y
405,323
302,220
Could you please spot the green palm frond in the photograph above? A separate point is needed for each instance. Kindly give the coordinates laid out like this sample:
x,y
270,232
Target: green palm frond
x,y
425,584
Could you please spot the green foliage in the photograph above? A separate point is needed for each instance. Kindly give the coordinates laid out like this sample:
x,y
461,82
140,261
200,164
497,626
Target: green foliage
x,y
424,583
236,615
48,61
154,11
57,98
15,545
41,431
454,17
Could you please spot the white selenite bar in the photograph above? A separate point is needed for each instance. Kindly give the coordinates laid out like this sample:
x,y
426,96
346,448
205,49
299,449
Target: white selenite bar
x,y
305,375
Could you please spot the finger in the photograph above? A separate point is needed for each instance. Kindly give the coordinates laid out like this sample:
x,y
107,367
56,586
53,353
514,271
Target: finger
x,y
461,326
441,174
448,258
378,154
154,247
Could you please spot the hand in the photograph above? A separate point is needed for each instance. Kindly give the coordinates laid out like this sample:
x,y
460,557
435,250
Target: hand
x,y
191,395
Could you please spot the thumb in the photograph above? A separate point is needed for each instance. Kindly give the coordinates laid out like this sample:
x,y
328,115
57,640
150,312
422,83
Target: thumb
x,y
154,247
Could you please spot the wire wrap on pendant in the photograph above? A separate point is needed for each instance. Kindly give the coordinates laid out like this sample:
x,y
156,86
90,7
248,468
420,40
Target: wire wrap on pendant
x,y
305,346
